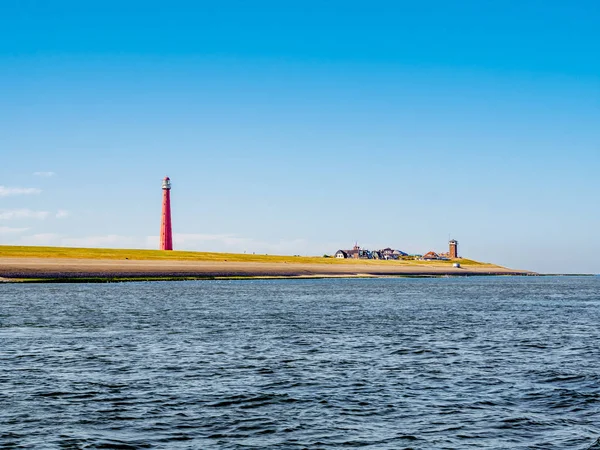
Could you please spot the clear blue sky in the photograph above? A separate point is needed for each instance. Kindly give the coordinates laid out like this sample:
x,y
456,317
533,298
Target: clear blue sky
x,y
300,127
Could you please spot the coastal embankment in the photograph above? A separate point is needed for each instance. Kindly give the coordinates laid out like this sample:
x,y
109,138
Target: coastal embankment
x,y
76,264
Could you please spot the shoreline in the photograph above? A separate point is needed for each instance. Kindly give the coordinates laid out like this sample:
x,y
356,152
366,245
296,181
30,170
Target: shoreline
x,y
40,270
118,279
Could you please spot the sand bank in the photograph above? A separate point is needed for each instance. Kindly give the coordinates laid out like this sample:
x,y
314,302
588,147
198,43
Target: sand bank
x,y
68,268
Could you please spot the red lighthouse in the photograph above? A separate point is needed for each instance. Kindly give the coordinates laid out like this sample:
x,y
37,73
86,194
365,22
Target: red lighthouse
x,y
166,232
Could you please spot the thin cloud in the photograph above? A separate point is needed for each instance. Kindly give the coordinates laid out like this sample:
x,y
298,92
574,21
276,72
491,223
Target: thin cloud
x,y
47,239
234,243
13,214
10,230
108,241
10,191
44,174
61,214
61,240
228,240
182,241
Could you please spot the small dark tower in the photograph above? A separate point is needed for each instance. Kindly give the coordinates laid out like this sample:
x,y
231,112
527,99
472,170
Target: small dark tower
x,y
453,249
356,251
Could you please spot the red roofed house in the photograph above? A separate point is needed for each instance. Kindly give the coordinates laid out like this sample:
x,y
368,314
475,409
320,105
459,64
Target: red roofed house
x,y
431,255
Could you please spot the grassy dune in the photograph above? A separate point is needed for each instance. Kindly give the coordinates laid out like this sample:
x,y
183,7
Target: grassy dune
x,y
159,255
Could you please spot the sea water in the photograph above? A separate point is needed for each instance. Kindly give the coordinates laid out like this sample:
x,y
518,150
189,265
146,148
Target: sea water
x,y
458,363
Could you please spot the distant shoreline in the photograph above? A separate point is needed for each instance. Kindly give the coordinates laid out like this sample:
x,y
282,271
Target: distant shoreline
x,y
57,264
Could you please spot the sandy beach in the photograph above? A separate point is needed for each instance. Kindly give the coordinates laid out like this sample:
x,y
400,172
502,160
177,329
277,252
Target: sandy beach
x,y
68,268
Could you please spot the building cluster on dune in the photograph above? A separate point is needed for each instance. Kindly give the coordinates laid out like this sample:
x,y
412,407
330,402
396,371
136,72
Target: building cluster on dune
x,y
166,239
391,254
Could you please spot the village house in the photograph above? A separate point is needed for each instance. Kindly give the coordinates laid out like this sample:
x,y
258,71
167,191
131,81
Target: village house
x,y
445,256
390,254
355,253
430,256
359,253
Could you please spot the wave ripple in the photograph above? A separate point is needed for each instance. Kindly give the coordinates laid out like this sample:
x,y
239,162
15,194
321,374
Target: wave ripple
x,y
486,363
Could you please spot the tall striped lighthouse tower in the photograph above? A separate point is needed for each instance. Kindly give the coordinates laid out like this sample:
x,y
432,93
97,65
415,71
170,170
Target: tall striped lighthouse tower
x,y
166,232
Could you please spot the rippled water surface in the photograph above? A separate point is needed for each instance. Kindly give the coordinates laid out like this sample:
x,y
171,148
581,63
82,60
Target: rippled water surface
x,y
375,363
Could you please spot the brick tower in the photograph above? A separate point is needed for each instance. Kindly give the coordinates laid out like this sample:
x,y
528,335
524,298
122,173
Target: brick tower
x,y
166,232
453,249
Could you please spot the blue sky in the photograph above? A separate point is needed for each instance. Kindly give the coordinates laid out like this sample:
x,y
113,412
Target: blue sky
x,y
300,127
